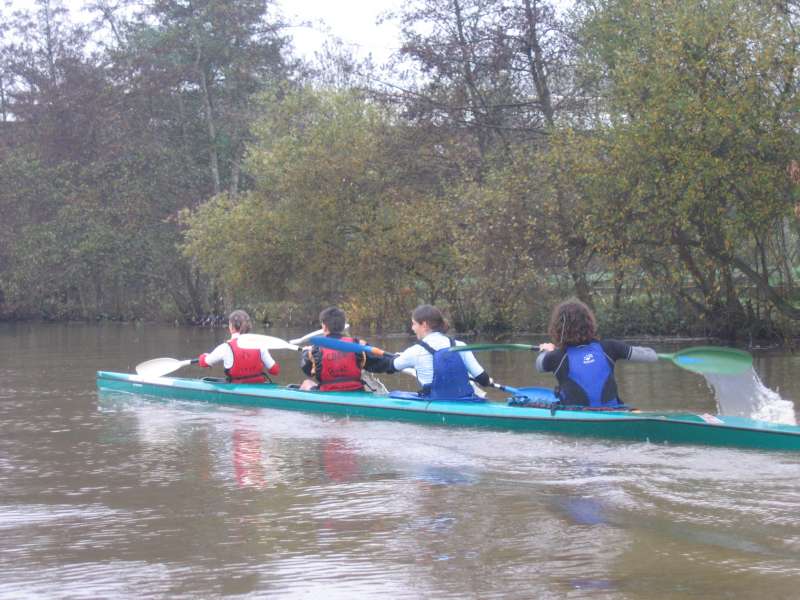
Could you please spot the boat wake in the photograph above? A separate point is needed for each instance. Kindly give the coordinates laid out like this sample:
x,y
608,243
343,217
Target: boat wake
x,y
746,395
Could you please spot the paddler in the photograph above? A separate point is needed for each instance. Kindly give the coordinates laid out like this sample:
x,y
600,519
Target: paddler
x,y
441,374
582,363
241,365
331,370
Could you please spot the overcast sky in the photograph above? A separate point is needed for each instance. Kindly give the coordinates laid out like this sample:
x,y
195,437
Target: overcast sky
x,y
351,20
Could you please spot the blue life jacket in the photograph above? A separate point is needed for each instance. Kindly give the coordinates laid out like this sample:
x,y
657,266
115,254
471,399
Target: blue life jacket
x,y
590,379
450,375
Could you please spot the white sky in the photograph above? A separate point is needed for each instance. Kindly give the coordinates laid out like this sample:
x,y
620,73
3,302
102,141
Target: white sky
x,y
353,21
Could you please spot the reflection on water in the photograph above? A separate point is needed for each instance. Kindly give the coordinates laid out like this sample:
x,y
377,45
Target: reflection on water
x,y
248,461
126,496
582,510
339,460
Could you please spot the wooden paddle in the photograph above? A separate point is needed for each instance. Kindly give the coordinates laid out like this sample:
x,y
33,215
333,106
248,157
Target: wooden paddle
x,y
717,360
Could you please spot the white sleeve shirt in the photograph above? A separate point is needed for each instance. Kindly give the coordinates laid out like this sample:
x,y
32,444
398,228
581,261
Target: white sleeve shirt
x,y
417,357
224,354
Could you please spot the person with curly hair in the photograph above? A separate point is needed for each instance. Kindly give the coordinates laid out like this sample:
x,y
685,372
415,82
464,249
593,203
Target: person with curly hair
x,y
582,363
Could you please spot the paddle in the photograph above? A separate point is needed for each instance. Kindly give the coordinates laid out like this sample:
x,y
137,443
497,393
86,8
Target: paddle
x,y
717,360
342,346
472,347
308,336
256,341
158,367
530,392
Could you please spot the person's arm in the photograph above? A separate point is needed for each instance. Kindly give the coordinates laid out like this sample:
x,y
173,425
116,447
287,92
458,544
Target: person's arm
x,y
483,379
642,354
379,364
549,358
476,371
407,359
620,350
270,364
306,361
217,355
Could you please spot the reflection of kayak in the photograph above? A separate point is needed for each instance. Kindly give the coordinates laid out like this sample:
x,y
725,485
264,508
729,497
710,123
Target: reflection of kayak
x,y
639,426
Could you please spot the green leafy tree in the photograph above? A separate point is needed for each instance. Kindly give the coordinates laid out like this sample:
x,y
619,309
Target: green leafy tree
x,y
701,125
338,215
214,56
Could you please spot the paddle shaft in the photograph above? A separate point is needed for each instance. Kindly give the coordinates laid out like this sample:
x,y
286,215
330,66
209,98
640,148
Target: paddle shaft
x,y
256,341
717,360
343,346
476,347
308,336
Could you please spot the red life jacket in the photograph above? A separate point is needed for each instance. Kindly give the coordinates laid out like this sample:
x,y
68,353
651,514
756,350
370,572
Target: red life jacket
x,y
247,365
339,371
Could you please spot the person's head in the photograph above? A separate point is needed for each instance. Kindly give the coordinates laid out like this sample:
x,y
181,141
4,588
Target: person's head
x,y
239,322
333,318
427,318
572,323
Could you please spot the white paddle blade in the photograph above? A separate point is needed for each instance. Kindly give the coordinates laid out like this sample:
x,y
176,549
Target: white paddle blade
x,y
256,341
158,367
479,392
308,336
372,382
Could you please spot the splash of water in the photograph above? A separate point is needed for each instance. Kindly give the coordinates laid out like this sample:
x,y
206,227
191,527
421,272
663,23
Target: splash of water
x,y
746,396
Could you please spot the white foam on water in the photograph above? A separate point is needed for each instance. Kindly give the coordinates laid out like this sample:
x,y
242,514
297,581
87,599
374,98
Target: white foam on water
x,y
745,395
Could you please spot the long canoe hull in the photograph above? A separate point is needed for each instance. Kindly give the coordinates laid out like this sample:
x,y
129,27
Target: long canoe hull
x,y
676,428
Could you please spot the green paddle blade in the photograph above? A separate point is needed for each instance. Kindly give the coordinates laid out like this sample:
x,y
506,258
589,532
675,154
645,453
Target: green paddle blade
x,y
474,347
711,360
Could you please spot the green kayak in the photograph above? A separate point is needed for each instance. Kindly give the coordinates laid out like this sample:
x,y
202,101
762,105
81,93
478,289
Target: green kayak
x,y
677,428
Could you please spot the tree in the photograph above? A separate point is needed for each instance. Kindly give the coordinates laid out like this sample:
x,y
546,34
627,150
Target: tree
x,y
701,125
151,121
218,55
338,213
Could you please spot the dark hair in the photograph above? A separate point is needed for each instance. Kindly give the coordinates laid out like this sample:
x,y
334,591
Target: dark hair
x,y
432,316
572,323
240,321
333,318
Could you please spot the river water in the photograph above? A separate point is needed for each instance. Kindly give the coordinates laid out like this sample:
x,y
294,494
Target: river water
x,y
124,496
